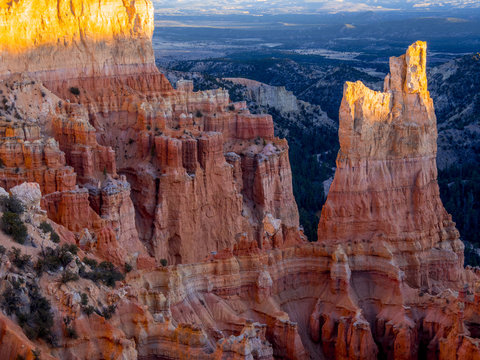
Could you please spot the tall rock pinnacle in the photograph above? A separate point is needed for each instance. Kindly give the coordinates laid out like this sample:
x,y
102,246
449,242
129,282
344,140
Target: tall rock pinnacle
x,y
385,187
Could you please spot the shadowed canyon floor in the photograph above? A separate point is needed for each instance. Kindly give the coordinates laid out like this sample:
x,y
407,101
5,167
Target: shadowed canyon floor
x,y
190,196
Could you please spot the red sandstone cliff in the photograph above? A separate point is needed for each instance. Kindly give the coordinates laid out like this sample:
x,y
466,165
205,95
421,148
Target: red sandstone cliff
x,y
135,171
385,187
116,114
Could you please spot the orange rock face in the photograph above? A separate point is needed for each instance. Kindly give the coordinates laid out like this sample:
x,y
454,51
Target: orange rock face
x,y
392,237
119,115
138,172
385,187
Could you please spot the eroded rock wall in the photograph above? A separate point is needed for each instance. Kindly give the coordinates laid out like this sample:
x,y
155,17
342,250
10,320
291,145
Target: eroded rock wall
x,y
136,171
385,187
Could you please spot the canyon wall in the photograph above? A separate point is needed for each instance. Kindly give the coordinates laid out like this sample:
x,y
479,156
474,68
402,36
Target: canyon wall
x,y
112,113
78,38
194,194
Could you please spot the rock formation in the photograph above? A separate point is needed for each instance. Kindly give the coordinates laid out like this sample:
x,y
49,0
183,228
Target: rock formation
x,y
112,112
274,96
192,196
385,187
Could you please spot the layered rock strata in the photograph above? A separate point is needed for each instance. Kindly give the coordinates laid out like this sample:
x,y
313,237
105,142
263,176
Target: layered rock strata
x,y
137,172
385,187
116,114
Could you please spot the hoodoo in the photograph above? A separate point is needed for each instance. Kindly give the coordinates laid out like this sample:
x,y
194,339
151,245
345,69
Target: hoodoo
x,y
190,196
385,189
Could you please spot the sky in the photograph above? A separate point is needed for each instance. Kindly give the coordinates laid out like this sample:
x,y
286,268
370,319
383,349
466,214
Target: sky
x,y
167,7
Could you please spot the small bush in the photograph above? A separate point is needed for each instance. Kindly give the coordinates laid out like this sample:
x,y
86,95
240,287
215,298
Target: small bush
x,y
53,259
72,248
88,309
75,90
68,276
41,316
46,227
105,272
10,301
164,262
109,311
70,331
198,114
2,250
84,299
128,267
54,237
12,225
90,262
38,320
20,260
12,204
231,107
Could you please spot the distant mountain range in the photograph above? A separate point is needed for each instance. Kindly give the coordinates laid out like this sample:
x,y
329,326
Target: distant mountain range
x,y
304,6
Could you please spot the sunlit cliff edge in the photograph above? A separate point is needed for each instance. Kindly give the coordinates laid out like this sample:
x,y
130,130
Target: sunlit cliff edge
x,y
194,194
76,38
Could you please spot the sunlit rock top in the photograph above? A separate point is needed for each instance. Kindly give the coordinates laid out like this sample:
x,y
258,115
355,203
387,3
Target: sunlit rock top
x,y
78,37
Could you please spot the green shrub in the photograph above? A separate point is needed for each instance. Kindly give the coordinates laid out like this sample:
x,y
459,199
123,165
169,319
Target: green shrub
x,y
54,237
164,262
12,225
12,204
46,227
72,248
2,250
70,331
105,272
109,311
90,262
68,276
10,300
38,320
41,314
75,90
52,259
128,267
84,299
88,309
198,114
20,260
